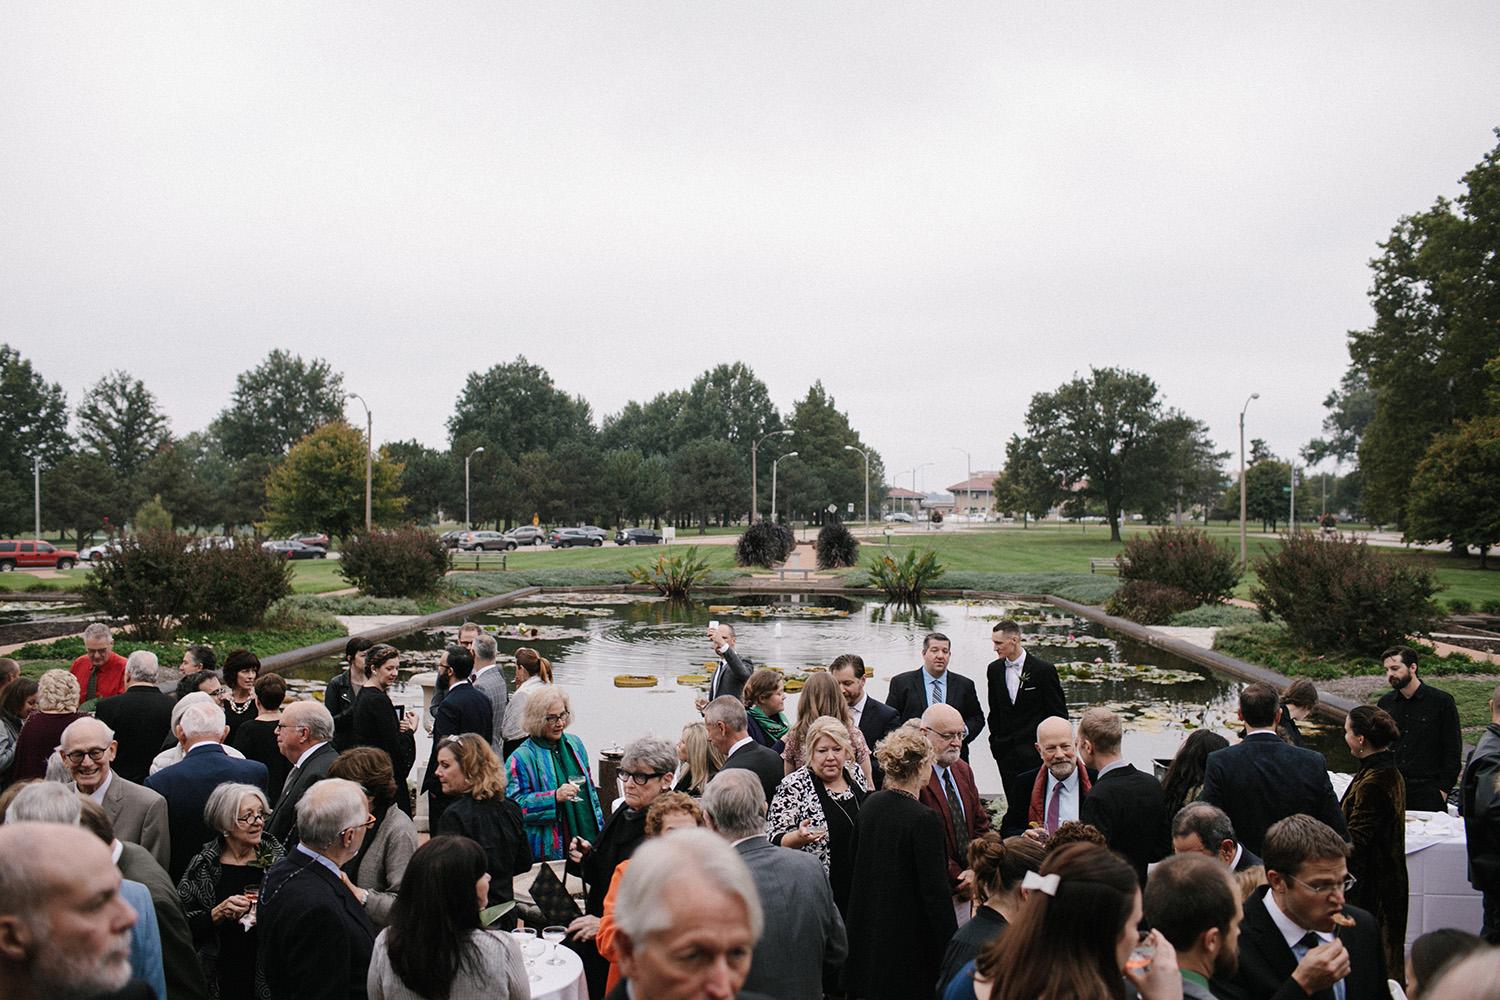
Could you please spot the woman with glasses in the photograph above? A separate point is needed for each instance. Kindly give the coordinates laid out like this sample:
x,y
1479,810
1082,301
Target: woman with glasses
x,y
1374,806
221,885
377,869
816,805
379,724
550,780
821,696
468,770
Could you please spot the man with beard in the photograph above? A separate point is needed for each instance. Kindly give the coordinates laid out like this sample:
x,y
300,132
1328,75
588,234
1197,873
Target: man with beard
x,y
1429,753
64,928
1057,788
1192,901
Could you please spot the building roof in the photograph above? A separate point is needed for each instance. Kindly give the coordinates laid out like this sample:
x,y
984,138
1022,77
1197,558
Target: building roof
x,y
899,493
979,484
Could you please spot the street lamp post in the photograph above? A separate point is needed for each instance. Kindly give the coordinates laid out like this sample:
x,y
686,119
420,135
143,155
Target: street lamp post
x,y
369,451
36,478
468,522
1253,395
850,447
917,504
774,464
968,490
754,497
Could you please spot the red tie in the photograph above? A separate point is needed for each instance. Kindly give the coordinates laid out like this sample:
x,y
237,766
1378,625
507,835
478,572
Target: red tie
x,y
1054,807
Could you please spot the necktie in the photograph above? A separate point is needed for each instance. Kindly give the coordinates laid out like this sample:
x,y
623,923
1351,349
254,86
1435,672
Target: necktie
x,y
960,827
1054,808
1308,943
937,692
93,690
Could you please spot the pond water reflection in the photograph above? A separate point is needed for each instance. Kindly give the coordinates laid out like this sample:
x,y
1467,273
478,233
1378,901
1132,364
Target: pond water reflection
x,y
592,638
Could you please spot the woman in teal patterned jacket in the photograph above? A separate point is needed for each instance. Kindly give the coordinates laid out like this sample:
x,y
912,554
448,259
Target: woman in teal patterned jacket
x,y
549,778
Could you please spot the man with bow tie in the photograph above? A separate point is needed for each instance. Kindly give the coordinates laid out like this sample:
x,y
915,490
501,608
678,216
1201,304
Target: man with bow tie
x,y
1024,691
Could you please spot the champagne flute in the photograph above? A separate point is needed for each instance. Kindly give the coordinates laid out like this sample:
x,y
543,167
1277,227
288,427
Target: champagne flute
x,y
554,936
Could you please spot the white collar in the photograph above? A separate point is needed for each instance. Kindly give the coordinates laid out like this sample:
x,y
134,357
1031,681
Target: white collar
x,y
738,744
98,794
1018,664
859,706
1069,783
478,671
323,860
1289,928
1112,766
1239,852
308,753
115,850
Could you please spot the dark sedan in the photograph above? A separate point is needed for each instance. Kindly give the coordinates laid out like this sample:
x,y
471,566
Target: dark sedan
x,y
571,537
637,536
490,541
288,549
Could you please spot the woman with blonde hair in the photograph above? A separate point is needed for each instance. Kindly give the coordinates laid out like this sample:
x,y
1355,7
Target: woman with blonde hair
x,y
815,806
532,671
468,770
701,760
821,696
56,709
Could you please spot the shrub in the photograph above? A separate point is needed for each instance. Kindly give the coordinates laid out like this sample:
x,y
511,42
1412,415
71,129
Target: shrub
x,y
1211,615
1460,606
404,563
673,575
905,581
1337,595
1186,559
837,547
764,544
1149,602
235,585
1490,606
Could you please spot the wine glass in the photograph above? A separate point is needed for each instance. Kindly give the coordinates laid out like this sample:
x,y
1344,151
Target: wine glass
x,y
532,949
554,936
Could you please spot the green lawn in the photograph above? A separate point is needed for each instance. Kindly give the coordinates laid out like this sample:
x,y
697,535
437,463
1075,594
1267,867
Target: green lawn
x,y
608,557
317,576
21,580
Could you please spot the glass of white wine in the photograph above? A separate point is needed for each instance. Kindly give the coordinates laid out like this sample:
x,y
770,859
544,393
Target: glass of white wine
x,y
554,936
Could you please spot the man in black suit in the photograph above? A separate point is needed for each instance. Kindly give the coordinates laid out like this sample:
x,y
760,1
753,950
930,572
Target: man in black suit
x,y
465,710
934,684
1056,790
304,735
1024,690
1263,778
729,731
1479,803
315,939
875,719
1128,807
1291,947
1199,828
141,717
730,675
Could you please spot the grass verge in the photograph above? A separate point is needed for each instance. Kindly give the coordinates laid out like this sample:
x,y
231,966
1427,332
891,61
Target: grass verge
x,y
1267,645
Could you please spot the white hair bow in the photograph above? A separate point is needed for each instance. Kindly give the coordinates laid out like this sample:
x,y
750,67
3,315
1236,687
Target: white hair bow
x,y
1046,883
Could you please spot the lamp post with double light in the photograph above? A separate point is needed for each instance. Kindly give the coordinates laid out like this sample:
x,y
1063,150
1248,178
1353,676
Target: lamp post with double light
x,y
754,496
1253,395
369,452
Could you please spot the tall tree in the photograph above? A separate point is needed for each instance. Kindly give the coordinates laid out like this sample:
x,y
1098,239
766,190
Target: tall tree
x,y
708,481
120,421
321,485
1453,493
429,479
278,403
515,408
1026,485
826,472
729,403
33,423
646,427
84,494
1350,408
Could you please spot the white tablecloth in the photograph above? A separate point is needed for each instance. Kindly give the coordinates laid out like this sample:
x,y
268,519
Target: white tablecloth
x,y
1437,864
558,982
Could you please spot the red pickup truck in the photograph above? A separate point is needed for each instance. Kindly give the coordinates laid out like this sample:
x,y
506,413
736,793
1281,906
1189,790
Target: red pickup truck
x,y
34,555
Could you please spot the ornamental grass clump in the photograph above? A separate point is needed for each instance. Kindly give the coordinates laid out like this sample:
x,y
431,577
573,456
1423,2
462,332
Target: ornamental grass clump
x,y
675,575
764,543
837,547
904,580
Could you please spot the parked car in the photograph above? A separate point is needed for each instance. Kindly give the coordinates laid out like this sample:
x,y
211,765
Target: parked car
x,y
213,542
96,552
489,541
901,516
450,538
637,536
321,541
527,534
34,555
571,537
288,549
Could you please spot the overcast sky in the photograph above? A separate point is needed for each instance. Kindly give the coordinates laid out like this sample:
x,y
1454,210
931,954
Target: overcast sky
x,y
937,209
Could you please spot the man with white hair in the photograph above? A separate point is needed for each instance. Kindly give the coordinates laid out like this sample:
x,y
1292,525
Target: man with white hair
x,y
100,670
688,915
952,794
141,716
187,784
304,736
804,933
137,814
490,680
64,928
315,939
1057,788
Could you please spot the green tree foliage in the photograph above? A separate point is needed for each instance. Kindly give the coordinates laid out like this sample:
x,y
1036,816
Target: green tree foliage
x,y
152,516
170,477
1350,407
85,495
825,471
321,485
1436,295
121,422
430,479
1454,495
726,402
515,408
33,423
278,403
1025,486
708,481
1265,499
645,427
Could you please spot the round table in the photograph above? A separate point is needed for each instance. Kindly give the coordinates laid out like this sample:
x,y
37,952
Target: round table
x,y
558,982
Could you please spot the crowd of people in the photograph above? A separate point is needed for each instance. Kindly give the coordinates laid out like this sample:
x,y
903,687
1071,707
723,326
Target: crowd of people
x,y
247,846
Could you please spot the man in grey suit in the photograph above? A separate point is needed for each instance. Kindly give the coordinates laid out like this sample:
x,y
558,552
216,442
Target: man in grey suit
x,y
138,814
804,933
1192,900
303,735
489,678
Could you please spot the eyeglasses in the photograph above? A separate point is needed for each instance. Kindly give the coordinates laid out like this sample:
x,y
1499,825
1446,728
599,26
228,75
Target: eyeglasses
x,y
95,754
250,819
641,777
947,737
1327,889
553,720
282,725
369,822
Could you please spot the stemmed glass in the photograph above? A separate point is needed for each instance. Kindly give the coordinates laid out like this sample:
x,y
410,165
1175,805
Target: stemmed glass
x,y
526,938
554,936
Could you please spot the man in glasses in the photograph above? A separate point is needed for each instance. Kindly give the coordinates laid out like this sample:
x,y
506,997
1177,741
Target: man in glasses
x,y
303,735
138,814
1295,939
951,793
100,670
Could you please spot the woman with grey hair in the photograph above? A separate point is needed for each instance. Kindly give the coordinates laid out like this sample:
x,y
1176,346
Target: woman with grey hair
x,y
220,886
549,778
646,770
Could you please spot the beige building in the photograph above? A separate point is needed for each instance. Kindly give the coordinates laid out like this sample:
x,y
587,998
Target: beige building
x,y
975,496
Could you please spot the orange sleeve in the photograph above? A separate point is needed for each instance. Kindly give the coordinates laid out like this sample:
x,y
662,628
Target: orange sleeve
x,y
605,939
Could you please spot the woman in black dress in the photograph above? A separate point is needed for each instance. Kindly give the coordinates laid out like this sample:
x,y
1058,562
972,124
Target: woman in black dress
x,y
816,805
900,908
241,668
468,770
378,724
999,864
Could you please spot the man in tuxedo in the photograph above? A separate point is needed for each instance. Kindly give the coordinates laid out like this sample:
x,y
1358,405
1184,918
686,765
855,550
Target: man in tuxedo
x,y
688,916
934,684
1195,905
1199,828
729,731
465,710
304,736
951,793
730,675
141,717
315,939
1263,778
875,719
187,784
1290,944
803,929
1128,807
136,813
1057,788
1024,690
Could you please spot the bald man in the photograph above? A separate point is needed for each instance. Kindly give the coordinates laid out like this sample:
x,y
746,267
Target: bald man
x,y
951,794
137,814
1057,788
